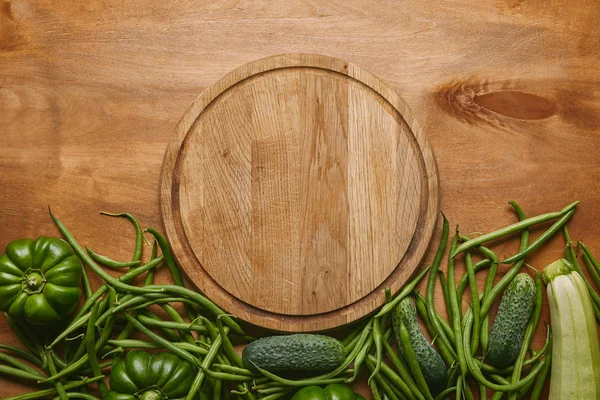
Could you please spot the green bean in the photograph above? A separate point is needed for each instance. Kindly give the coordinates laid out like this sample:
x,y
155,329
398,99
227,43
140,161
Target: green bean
x,y
73,326
536,392
377,339
475,304
150,276
444,283
467,392
60,390
464,281
529,333
124,303
385,387
150,318
141,344
500,379
395,379
226,376
174,314
21,335
513,228
274,389
28,338
84,396
460,383
596,311
411,359
482,391
32,358
171,264
476,372
360,357
402,371
292,383
489,282
168,255
181,326
109,262
349,340
590,256
497,396
385,320
19,364
197,383
442,395
374,390
572,258
228,346
137,252
85,280
234,370
543,238
275,396
527,388
438,331
512,272
90,345
95,267
217,390
19,373
125,278
202,301
408,288
456,315
50,392
591,270
162,341
72,368
160,300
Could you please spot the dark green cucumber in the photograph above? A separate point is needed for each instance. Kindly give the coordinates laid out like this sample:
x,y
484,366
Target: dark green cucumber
x,y
300,352
431,363
514,313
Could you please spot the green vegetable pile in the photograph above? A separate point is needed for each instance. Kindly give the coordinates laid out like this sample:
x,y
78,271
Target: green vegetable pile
x,y
158,342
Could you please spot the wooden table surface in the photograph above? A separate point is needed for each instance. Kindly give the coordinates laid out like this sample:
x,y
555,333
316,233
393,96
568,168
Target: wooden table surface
x,y
508,92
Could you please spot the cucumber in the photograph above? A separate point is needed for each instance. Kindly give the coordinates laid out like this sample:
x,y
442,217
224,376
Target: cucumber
x,y
299,352
514,313
430,362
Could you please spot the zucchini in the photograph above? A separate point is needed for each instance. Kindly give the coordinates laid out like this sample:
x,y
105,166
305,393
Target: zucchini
x,y
430,362
299,352
514,313
575,345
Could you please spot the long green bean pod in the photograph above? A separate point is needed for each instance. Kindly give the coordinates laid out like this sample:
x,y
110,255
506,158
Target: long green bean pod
x,y
513,228
137,252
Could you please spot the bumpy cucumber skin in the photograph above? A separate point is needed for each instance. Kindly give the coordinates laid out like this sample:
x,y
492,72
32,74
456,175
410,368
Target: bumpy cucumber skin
x,y
300,352
431,363
514,313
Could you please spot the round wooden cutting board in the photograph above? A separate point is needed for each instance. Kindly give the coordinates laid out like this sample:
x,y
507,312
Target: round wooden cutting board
x,y
296,189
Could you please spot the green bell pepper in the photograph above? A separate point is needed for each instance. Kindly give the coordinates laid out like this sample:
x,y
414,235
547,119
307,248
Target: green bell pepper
x,y
144,376
40,281
335,391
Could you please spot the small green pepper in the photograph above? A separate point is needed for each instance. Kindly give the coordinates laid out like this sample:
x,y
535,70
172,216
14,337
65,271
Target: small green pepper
x,y
335,391
144,376
40,281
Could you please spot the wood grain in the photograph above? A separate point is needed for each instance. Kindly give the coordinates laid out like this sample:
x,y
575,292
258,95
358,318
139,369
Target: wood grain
x,y
90,93
293,172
